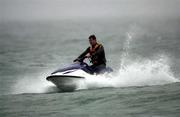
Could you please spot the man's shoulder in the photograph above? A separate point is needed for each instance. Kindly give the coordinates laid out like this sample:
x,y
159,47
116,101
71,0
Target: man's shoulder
x,y
100,45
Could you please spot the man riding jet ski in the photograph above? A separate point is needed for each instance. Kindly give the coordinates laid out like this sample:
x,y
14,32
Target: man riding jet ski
x,y
96,54
68,78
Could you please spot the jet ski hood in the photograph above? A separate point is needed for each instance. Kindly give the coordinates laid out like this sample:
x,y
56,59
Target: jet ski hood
x,y
72,67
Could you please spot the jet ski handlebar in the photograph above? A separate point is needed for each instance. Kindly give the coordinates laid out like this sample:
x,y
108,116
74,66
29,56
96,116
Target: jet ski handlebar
x,y
80,59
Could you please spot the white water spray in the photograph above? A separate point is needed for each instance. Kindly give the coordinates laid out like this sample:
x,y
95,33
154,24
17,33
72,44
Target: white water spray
x,y
134,72
146,73
33,84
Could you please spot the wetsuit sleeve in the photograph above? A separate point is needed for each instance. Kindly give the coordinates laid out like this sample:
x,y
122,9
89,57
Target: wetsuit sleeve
x,y
84,53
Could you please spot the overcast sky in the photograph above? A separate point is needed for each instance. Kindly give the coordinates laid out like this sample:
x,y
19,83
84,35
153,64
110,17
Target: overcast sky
x,y
68,9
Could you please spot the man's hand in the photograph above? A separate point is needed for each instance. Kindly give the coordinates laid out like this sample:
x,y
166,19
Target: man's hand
x,y
88,55
75,60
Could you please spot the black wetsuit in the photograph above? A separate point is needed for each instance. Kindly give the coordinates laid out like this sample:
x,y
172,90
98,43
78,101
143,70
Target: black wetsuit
x,y
98,58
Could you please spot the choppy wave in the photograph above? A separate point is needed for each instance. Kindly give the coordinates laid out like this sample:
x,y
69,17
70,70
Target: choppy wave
x,y
144,73
33,84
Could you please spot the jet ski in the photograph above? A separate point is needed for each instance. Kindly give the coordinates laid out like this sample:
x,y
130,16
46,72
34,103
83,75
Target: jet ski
x,y
67,79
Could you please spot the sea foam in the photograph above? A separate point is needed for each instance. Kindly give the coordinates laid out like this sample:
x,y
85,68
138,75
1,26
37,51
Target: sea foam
x,y
144,73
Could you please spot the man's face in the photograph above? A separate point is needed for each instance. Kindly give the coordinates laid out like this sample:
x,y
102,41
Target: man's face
x,y
92,41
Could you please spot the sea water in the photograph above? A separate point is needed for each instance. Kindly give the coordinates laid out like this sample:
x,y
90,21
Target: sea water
x,y
145,57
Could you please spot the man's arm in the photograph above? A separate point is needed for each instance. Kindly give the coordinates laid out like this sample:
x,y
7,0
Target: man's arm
x,y
82,55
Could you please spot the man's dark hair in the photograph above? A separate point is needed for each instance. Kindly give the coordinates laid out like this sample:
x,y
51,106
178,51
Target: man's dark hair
x,y
92,37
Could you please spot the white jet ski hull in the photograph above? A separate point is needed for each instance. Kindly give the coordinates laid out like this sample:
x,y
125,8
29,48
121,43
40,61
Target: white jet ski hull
x,y
69,78
65,83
